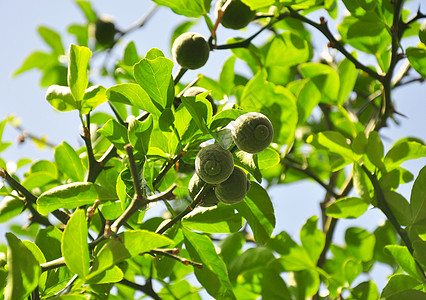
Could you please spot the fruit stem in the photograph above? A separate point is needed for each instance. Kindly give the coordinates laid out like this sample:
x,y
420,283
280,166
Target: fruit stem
x,y
186,211
181,72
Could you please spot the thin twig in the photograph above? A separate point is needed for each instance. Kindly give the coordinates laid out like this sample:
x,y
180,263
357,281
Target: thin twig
x,y
31,199
165,169
54,264
178,77
172,255
147,289
323,28
139,200
384,207
297,166
197,200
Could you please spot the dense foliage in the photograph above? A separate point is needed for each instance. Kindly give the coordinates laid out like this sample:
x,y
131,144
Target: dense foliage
x,y
91,232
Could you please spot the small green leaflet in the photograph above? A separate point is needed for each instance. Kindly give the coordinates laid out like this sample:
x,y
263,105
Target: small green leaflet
x,y
213,276
24,269
77,70
74,246
188,8
72,195
68,162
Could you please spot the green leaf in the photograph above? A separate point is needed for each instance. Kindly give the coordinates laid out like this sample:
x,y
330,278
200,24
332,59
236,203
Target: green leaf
x,y
77,70
115,133
72,195
308,98
74,246
107,255
53,39
352,268
68,162
253,259
39,256
274,286
408,294
140,241
93,96
113,274
130,56
132,94
231,247
60,98
361,243
313,239
375,150
417,59
179,290
215,219
348,208
348,74
362,183
257,209
275,102
81,33
154,77
307,283
405,260
24,269
332,141
227,75
268,158
188,8
128,244
292,256
368,35
36,59
288,49
325,78
398,283
139,135
10,207
166,119
88,11
418,198
399,207
256,4
200,109
366,290
403,151
248,162
49,241
213,276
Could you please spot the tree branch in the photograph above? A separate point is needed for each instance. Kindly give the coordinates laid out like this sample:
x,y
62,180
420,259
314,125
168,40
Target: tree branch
x,y
147,288
197,200
32,199
297,166
139,200
171,254
384,207
323,28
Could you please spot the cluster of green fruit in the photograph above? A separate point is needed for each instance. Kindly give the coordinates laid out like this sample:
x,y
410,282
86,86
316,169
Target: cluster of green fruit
x,y
191,50
252,133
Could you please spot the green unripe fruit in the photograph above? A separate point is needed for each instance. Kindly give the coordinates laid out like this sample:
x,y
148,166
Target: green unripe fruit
x,y
104,31
195,186
196,90
191,50
234,189
237,15
214,164
422,32
253,132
